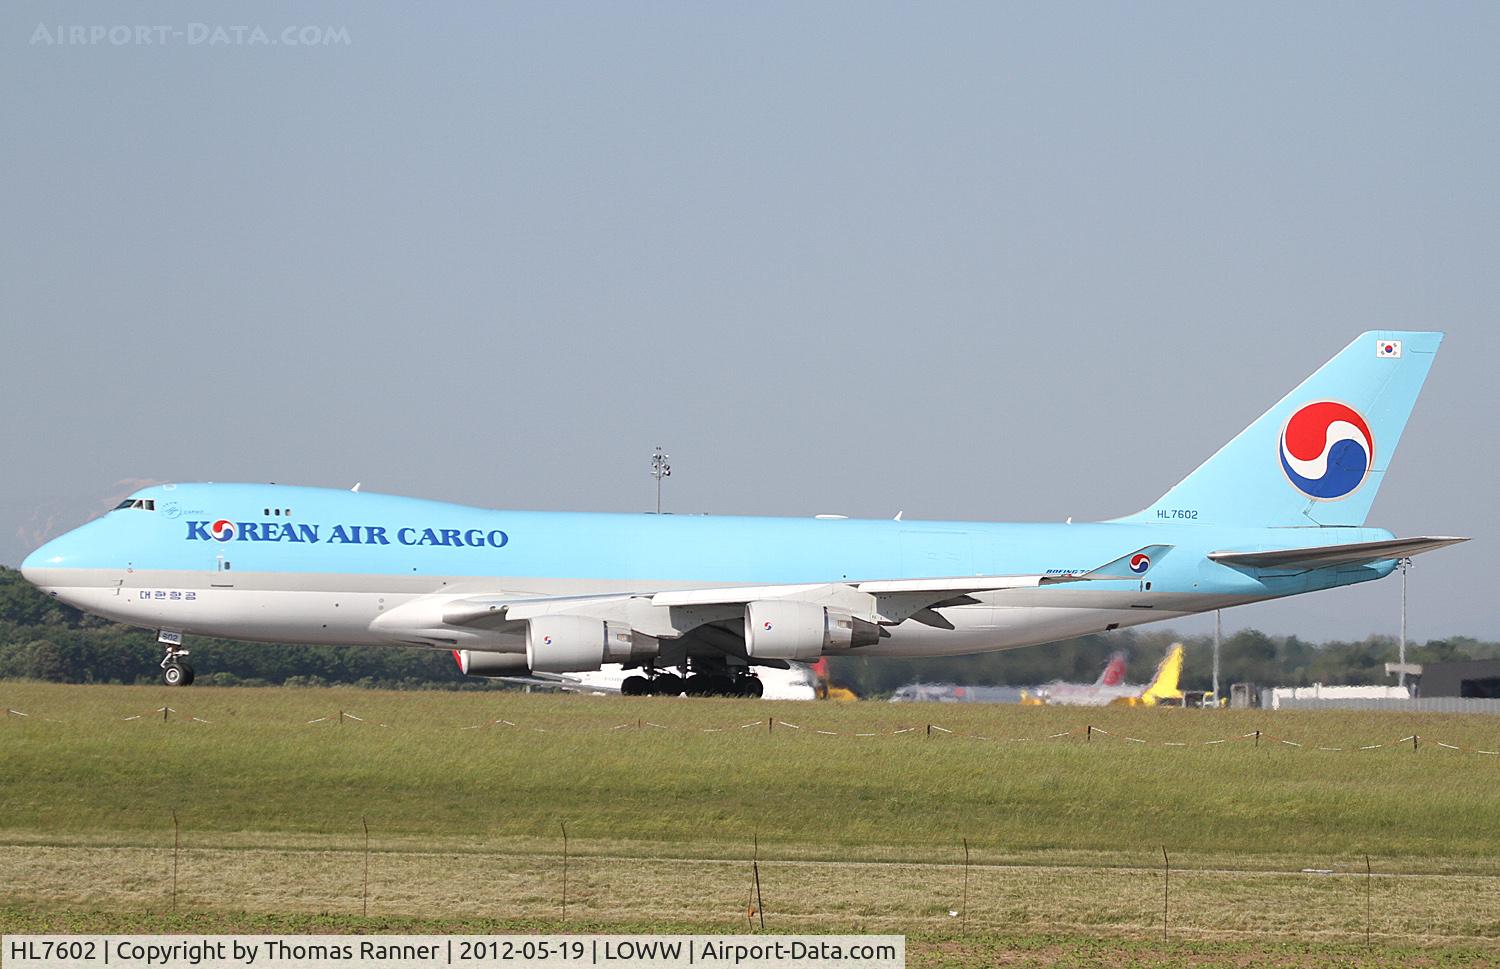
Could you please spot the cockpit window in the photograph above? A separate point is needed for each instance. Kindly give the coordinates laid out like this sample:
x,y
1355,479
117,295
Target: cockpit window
x,y
145,504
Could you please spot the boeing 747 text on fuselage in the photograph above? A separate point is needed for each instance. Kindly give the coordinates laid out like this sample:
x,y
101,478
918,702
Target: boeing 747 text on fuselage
x,y
697,603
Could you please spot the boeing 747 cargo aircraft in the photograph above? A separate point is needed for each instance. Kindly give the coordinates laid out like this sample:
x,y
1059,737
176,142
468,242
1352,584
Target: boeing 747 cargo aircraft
x,y
699,603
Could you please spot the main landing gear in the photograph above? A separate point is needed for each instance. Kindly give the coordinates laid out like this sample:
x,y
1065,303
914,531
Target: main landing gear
x,y
715,682
653,683
175,670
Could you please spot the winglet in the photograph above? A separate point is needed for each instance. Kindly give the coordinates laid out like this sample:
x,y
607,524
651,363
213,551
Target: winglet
x,y
1131,566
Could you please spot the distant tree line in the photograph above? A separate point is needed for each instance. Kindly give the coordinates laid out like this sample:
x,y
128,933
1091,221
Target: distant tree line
x,y
40,638
1248,656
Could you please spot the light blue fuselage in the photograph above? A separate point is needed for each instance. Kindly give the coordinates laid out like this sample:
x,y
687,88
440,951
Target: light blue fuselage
x,y
320,566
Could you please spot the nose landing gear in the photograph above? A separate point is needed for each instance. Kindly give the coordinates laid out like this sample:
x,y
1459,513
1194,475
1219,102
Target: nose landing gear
x,y
175,670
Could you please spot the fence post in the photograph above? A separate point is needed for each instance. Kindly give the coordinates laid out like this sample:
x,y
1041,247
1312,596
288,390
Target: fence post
x,y
750,907
176,846
1257,738
365,890
929,731
1166,886
770,724
1413,741
965,909
564,825
760,905
1368,876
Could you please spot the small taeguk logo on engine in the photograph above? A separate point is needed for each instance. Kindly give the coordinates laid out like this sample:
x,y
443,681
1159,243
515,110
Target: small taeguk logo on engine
x,y
222,530
1326,450
766,625
1139,563
546,640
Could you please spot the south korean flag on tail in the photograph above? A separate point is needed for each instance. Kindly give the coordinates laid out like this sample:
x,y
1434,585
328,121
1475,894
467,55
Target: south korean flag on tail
x,y
1388,349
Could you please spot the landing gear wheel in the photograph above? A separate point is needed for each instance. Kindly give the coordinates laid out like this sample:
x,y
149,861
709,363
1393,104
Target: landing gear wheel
x,y
175,670
710,684
667,684
751,686
635,686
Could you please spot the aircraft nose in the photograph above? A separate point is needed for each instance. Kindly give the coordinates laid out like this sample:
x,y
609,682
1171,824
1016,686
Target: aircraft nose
x,y
38,565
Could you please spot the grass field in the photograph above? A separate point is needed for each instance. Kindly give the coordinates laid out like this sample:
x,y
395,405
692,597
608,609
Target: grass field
x,y
662,799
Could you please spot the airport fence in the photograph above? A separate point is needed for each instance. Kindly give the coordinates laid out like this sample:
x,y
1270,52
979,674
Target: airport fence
x,y
971,886
1085,732
1088,733
975,889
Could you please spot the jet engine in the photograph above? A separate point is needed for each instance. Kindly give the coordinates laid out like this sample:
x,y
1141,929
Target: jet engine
x,y
575,644
479,662
787,629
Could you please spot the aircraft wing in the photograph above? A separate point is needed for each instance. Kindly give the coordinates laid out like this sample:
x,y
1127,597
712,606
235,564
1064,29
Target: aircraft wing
x,y
475,621
884,601
1329,556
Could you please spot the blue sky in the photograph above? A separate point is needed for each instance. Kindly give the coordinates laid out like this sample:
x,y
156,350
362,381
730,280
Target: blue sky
x,y
989,261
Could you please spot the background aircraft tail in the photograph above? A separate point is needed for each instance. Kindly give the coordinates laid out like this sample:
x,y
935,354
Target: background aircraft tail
x,y
1114,673
1317,457
1163,685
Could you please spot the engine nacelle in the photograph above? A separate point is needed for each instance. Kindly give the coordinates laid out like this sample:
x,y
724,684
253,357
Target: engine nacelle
x,y
627,646
479,662
574,644
787,629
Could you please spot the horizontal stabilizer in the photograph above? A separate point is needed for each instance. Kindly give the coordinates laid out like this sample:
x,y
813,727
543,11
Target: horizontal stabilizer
x,y
1330,556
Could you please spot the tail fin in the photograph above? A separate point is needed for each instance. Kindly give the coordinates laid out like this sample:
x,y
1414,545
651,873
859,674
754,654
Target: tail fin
x,y
1317,457
1163,685
1114,673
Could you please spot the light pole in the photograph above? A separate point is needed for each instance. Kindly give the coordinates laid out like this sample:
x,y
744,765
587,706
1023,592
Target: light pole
x,y
660,469
1401,649
1218,633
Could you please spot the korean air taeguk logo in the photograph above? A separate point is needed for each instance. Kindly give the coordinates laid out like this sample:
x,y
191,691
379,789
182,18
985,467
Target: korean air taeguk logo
x,y
1140,562
222,530
1326,449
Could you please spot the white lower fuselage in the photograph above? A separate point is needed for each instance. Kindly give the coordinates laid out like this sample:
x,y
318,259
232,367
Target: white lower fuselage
x,y
345,610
